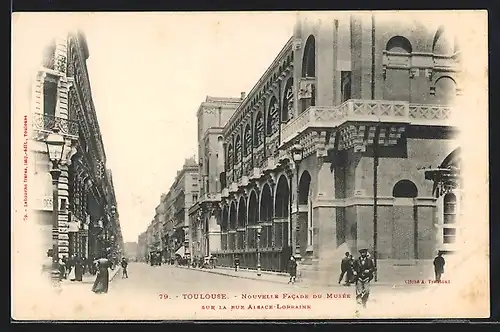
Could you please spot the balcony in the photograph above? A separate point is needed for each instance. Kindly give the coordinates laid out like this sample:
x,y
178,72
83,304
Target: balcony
x,y
211,197
44,123
367,111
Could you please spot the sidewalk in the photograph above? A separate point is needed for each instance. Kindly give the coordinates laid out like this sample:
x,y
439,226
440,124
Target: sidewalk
x,y
89,279
282,278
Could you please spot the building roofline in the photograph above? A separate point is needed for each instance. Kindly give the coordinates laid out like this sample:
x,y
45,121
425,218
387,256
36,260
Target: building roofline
x,y
249,96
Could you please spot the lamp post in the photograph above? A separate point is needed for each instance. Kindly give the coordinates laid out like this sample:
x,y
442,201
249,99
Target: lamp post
x,y
259,230
55,148
375,198
297,154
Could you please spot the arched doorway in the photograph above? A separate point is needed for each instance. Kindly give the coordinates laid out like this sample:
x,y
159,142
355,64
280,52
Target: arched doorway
x,y
224,227
232,227
305,227
405,221
241,223
253,213
282,212
269,260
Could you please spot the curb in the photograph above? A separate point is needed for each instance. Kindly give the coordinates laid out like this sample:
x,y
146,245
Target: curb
x,y
299,283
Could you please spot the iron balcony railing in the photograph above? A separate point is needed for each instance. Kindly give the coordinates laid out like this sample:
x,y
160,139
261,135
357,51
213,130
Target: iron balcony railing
x,y
45,123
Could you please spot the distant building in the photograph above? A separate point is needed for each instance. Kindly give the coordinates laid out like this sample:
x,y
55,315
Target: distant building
x,y
204,227
131,250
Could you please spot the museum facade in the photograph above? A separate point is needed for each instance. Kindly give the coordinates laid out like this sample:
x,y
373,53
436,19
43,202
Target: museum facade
x,y
347,141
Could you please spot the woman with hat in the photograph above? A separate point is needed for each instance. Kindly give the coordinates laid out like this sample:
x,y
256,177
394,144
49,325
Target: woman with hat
x,y
101,282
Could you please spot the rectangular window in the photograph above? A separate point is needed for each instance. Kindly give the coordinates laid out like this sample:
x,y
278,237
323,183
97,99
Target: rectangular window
x,y
449,235
49,97
345,85
195,198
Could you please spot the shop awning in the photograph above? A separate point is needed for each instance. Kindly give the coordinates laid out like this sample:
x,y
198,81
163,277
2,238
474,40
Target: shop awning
x,y
180,251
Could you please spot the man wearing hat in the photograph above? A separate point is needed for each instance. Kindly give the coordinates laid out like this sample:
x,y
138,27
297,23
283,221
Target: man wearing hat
x,y
363,274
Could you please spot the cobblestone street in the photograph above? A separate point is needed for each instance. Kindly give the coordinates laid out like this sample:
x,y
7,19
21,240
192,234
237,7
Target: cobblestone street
x,y
169,292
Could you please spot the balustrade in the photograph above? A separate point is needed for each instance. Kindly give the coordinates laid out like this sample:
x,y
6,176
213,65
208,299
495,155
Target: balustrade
x,y
45,123
366,110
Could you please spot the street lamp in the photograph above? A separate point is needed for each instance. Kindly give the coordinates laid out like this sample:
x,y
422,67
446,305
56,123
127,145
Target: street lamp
x,y
259,230
55,148
297,155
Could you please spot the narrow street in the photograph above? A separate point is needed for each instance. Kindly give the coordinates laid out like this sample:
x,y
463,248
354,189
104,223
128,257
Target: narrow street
x,y
168,292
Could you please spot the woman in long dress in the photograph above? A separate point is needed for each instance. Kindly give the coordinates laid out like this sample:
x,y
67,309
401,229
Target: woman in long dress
x,y
101,282
78,269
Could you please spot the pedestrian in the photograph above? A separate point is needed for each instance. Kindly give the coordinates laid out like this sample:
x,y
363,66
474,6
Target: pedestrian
x,y
62,268
350,274
345,266
363,274
101,282
236,263
439,265
124,264
292,269
78,269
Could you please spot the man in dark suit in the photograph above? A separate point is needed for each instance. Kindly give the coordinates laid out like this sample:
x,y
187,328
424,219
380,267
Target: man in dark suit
x,y
439,265
345,267
363,275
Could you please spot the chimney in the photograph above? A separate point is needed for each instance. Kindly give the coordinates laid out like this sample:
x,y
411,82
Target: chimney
x,y
243,95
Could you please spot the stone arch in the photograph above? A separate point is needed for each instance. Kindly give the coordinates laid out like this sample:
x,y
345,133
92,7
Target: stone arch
x,y
452,160
225,219
405,221
237,149
399,44
444,42
229,156
282,198
266,204
304,187
232,216
273,117
405,189
258,137
242,213
309,58
247,140
305,235
253,209
445,90
287,110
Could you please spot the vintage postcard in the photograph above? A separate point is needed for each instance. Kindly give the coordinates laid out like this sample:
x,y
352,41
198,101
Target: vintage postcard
x,y
250,165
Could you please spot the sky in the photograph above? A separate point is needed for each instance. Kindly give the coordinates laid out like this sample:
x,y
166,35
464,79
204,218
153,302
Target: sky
x,y
150,72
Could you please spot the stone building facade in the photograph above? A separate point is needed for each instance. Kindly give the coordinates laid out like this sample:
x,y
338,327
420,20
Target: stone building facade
x,y
62,97
204,215
169,230
349,92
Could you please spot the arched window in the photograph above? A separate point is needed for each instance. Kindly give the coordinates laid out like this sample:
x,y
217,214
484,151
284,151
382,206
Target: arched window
x,y
259,130
273,117
287,110
399,44
247,145
449,208
230,156
237,150
405,188
446,90
309,59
